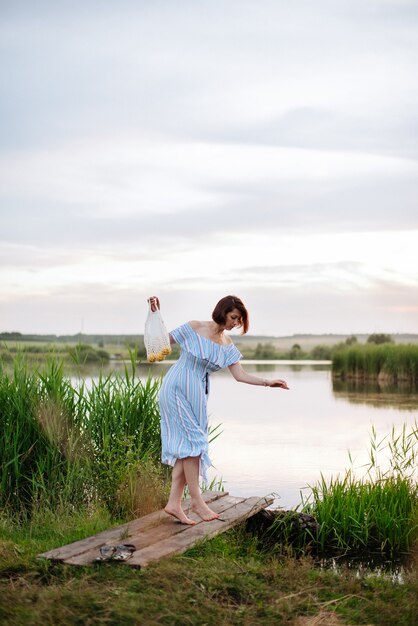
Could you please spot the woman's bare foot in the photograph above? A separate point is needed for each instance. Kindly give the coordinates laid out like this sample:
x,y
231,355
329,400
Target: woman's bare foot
x,y
203,511
179,514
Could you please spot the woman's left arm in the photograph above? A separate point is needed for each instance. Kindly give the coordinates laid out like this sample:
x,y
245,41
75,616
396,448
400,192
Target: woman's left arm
x,y
240,375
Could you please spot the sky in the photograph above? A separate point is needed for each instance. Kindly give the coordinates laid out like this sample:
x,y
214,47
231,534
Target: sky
x,y
193,149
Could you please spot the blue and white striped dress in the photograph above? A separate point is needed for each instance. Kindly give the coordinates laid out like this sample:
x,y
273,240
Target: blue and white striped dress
x,y
184,393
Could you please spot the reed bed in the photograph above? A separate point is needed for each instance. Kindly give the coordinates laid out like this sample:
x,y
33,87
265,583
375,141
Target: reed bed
x,y
387,363
377,512
66,445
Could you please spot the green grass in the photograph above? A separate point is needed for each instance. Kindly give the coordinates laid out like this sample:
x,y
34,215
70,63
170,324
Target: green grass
x,y
228,580
357,516
65,444
374,512
387,363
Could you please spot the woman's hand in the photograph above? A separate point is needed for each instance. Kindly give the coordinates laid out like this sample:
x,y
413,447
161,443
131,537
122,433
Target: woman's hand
x,y
277,383
154,302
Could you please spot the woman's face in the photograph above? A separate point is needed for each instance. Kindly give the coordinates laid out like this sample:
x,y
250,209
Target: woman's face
x,y
233,319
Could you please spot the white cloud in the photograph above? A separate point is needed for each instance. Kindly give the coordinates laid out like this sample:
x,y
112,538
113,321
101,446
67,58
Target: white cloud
x,y
143,176
192,148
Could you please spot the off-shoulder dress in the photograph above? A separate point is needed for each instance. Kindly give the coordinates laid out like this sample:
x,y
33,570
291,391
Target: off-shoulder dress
x,y
184,394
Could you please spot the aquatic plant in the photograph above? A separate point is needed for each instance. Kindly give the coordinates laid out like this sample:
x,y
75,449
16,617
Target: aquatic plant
x,y
65,443
377,511
386,363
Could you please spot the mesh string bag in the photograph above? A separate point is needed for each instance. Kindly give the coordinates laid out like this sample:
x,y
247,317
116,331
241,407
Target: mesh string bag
x,y
156,338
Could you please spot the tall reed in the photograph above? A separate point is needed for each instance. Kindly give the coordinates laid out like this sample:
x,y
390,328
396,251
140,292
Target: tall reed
x,y
385,362
377,511
66,444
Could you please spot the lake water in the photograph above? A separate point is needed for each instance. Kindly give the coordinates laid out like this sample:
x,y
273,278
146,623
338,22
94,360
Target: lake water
x,y
278,442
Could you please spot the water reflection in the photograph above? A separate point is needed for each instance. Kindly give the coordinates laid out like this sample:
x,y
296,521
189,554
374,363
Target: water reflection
x,y
367,566
376,395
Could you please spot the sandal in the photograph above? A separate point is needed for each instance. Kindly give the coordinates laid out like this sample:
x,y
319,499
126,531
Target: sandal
x,y
121,552
106,553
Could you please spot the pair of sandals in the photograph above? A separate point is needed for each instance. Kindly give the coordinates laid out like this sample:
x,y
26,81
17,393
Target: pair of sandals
x,y
121,552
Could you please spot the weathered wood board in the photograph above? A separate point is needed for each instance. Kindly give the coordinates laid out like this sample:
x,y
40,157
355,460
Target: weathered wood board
x,y
159,535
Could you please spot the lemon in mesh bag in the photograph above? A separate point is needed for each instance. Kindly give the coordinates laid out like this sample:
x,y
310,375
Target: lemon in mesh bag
x,y
156,338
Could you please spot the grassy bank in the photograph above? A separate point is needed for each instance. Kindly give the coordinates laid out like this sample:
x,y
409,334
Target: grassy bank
x,y
75,461
386,363
229,580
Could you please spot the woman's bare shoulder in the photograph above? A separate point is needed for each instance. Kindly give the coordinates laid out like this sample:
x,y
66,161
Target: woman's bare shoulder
x,y
200,326
195,324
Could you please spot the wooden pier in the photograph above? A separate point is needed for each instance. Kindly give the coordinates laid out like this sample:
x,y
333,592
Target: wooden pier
x,y
159,535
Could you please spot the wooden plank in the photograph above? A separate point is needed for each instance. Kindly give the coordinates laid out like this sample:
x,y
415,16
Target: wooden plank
x,y
158,535
154,534
182,541
123,532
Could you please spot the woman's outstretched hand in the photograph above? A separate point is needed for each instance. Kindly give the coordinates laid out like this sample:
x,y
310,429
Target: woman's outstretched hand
x,y
278,383
154,302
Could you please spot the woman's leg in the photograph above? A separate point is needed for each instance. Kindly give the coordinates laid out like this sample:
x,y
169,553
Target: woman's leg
x,y
191,472
178,481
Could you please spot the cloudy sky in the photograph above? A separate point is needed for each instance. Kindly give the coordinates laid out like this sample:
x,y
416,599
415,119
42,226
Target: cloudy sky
x,y
193,149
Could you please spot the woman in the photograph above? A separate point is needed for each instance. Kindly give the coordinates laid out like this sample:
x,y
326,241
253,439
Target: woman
x,y
183,399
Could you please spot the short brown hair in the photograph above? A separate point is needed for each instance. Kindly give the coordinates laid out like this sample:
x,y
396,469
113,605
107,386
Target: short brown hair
x,y
225,306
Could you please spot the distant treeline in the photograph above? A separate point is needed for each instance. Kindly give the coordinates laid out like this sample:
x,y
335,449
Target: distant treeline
x,y
77,338
80,354
304,340
321,352
134,340
94,348
267,351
